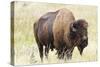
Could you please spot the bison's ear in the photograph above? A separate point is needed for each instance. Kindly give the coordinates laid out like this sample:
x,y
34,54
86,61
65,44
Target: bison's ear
x,y
73,27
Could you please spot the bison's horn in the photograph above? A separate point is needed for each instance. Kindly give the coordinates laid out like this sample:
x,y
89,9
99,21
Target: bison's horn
x,y
73,29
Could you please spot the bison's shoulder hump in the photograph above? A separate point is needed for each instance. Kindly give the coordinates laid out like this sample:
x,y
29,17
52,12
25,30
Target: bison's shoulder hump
x,y
65,11
64,15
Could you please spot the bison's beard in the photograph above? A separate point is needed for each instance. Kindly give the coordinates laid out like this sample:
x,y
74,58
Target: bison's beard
x,y
82,45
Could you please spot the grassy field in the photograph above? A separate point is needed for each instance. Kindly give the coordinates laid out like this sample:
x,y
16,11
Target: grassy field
x,y
26,50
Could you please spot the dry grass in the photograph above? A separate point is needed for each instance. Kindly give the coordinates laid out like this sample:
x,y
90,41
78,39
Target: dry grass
x,y
26,50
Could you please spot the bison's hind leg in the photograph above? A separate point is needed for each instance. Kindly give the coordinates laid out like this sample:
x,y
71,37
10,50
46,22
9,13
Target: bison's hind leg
x,y
47,47
52,47
40,46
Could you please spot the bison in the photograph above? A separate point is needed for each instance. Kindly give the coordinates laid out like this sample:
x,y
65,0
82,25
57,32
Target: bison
x,y
59,30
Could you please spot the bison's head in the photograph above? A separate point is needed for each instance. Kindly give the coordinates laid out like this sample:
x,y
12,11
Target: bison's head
x,y
79,34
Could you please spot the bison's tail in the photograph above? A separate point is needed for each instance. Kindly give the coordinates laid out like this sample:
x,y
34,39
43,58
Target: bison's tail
x,y
35,28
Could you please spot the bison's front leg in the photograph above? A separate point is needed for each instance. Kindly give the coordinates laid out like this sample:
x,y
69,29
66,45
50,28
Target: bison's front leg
x,y
60,53
69,53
